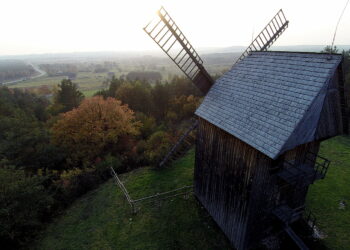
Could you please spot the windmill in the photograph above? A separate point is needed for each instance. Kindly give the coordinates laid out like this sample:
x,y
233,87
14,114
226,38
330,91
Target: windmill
x,y
259,130
164,31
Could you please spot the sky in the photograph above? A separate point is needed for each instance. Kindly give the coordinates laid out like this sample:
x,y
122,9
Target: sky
x,y
55,26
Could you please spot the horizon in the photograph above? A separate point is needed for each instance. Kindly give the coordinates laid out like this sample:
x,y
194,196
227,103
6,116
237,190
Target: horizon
x,y
60,27
202,50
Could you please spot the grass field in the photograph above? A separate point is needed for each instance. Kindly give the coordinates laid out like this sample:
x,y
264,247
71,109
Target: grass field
x,y
90,80
102,218
89,93
325,195
85,81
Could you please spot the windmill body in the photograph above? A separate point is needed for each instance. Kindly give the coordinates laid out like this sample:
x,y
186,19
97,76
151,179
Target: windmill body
x,y
259,130
260,127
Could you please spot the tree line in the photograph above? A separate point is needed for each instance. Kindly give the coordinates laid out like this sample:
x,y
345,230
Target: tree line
x,y
13,69
54,151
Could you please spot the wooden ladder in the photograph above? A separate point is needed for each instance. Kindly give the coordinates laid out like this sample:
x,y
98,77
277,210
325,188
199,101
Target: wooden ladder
x,y
180,147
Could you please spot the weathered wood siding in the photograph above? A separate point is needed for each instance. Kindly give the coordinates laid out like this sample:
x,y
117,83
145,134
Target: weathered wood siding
x,y
234,182
268,192
224,176
330,123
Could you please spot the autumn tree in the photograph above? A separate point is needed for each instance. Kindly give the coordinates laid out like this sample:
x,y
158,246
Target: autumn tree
x,y
93,129
157,146
182,107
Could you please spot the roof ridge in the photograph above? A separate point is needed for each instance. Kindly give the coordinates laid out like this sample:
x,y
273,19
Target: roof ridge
x,y
297,52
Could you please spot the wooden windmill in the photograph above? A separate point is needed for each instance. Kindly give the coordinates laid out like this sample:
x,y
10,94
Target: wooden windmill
x,y
173,42
164,31
259,129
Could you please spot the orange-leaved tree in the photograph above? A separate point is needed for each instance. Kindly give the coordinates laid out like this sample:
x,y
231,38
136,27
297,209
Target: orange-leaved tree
x,y
92,130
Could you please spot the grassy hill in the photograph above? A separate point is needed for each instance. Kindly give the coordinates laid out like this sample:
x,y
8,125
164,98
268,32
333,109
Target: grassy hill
x,y
102,219
325,196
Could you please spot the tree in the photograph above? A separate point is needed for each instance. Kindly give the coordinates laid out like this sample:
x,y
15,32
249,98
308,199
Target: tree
x,y
157,146
24,204
149,124
182,107
329,49
114,84
24,140
93,129
137,95
160,97
67,96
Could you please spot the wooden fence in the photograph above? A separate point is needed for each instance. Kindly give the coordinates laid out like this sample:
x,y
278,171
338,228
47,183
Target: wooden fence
x,y
155,199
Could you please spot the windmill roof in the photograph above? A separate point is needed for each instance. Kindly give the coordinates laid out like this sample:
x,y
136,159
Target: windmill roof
x,y
269,98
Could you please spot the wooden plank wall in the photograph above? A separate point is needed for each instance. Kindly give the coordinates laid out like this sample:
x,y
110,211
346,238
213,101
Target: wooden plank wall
x,y
235,184
262,201
224,173
330,123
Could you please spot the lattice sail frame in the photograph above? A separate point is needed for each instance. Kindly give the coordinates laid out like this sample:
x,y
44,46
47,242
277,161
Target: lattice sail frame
x,y
268,35
173,42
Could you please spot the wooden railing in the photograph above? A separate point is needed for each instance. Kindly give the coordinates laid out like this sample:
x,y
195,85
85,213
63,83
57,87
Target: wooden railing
x,y
154,199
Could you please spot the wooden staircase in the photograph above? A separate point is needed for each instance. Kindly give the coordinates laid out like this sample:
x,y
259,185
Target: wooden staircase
x,y
185,142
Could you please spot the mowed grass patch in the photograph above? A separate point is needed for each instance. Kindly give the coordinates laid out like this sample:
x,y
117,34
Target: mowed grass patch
x,y
325,196
85,81
89,93
102,219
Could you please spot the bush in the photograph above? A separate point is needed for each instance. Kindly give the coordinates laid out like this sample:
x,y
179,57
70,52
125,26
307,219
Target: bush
x,y
157,146
24,206
103,167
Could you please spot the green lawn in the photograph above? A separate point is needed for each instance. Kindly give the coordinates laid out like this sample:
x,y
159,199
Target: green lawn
x,y
89,93
102,219
325,195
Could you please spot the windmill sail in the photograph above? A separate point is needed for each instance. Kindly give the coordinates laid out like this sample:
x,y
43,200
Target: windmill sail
x,y
268,35
173,42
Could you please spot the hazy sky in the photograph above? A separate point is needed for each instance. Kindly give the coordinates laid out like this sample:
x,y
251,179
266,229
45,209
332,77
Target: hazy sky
x,y
49,26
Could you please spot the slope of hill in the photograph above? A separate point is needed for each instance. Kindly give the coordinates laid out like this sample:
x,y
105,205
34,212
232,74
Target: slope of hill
x,y
329,199
102,219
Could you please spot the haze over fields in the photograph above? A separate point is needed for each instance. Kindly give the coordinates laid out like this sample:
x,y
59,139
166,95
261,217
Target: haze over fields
x,y
39,26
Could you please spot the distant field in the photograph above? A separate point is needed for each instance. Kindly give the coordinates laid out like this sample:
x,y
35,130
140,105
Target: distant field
x,y
90,82
85,80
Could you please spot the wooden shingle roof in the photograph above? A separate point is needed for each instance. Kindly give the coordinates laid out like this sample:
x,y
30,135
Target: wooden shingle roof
x,y
268,97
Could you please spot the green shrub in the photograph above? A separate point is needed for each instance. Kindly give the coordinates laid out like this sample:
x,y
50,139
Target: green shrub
x,y
24,206
157,146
